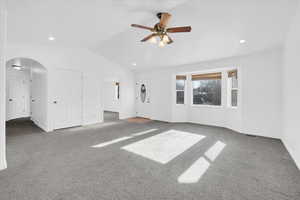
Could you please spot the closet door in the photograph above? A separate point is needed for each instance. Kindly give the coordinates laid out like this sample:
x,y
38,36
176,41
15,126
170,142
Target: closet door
x,y
17,94
67,102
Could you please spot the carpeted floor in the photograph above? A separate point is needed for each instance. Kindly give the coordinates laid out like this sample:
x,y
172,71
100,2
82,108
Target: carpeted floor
x,y
62,165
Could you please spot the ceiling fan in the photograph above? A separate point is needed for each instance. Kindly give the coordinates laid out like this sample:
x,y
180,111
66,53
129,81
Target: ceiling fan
x,y
161,31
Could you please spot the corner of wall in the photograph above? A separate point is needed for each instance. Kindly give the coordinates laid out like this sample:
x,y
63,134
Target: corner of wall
x,y
292,153
3,163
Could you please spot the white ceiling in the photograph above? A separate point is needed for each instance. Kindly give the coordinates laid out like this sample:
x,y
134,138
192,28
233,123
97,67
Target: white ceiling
x,y
104,27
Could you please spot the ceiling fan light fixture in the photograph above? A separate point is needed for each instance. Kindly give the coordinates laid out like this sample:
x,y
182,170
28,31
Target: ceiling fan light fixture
x,y
166,39
161,43
153,40
160,30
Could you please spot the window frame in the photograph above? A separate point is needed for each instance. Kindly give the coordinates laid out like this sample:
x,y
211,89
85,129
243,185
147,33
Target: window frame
x,y
230,88
184,89
192,89
117,91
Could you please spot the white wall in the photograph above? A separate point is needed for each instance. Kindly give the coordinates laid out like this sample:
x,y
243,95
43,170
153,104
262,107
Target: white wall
x,y
3,14
259,101
158,86
110,102
291,97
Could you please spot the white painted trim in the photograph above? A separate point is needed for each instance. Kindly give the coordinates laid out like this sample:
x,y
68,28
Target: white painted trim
x,y
41,126
3,164
3,27
207,106
292,153
92,122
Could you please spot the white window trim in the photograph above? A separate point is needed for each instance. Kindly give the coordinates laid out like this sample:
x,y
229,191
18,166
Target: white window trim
x,y
184,91
229,97
206,105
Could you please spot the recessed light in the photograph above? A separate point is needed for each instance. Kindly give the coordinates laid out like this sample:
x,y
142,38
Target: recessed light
x,y
134,64
242,41
51,38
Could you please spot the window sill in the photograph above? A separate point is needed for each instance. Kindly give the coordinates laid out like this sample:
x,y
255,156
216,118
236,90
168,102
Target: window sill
x,y
232,107
206,106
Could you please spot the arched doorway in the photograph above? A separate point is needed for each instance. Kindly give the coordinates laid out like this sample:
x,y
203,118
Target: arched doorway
x,y
26,91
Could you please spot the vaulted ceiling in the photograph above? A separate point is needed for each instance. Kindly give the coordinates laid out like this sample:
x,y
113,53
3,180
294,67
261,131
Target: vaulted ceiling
x,y
103,26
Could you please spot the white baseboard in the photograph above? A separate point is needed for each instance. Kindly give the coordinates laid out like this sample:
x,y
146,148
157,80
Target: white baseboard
x,y
126,116
292,153
3,164
40,125
92,122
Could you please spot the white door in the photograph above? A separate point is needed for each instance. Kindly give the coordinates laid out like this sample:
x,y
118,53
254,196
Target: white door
x,y
34,100
143,99
17,94
67,102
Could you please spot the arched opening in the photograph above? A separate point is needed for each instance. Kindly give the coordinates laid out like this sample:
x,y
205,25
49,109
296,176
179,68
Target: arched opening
x,y
26,93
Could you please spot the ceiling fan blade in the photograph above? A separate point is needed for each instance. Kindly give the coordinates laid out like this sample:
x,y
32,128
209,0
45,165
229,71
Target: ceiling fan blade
x,y
148,37
179,29
164,20
143,27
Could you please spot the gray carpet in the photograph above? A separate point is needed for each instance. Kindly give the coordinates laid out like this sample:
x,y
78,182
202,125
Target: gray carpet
x,y
62,166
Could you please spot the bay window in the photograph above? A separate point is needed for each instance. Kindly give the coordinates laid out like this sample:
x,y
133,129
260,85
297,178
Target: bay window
x,y
207,89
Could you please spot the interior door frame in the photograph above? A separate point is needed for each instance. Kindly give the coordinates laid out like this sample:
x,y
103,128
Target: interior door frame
x,y
23,87
52,98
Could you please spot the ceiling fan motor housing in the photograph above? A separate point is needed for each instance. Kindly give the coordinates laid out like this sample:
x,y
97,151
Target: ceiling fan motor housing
x,y
159,15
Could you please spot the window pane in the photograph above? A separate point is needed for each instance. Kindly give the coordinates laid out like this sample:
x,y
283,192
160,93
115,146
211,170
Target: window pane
x,y
180,84
234,94
117,92
180,97
234,82
207,92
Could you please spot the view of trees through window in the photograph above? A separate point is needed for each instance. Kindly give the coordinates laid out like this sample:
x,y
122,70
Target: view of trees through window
x,y
207,92
207,88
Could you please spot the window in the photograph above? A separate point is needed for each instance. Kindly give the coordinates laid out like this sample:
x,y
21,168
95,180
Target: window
x,y
117,90
207,89
180,87
232,88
